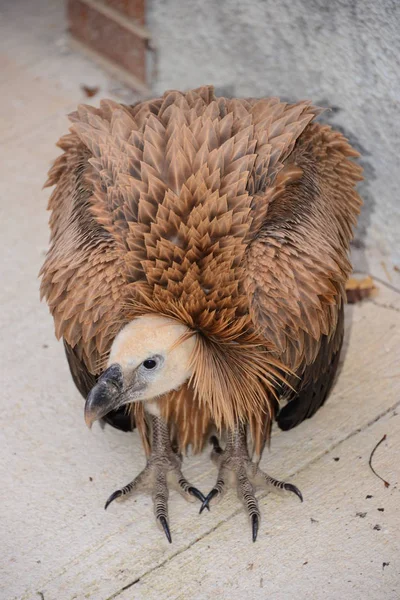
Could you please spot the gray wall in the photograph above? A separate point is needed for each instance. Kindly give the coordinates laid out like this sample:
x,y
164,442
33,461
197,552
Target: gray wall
x,y
339,54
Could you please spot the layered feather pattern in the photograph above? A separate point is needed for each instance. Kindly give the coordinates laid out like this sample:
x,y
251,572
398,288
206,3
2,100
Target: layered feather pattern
x,y
231,216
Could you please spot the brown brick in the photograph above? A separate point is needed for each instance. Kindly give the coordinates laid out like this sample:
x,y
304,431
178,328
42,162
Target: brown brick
x,y
111,40
132,8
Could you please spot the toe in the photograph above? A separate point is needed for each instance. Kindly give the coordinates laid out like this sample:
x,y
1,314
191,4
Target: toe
x,y
188,491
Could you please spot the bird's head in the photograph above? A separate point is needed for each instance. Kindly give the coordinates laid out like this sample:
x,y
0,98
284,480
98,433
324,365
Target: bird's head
x,y
149,357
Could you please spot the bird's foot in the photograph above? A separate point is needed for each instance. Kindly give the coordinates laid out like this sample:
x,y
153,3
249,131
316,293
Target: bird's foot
x,y
162,472
237,469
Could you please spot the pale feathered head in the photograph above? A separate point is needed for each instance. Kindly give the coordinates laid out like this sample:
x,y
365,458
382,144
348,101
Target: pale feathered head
x,y
150,357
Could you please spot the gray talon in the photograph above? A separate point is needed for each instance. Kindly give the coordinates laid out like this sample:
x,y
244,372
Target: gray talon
x,y
114,496
165,526
234,460
163,469
292,488
214,492
197,494
254,526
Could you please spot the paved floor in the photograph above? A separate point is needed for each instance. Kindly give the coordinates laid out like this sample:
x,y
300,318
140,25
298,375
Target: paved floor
x,y
57,542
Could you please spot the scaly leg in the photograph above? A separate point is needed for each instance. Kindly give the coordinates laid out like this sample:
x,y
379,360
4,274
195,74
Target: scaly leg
x,y
235,466
163,470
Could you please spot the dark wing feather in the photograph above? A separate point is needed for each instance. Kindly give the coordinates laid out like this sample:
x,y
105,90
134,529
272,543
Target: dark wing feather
x,y
297,267
316,381
84,381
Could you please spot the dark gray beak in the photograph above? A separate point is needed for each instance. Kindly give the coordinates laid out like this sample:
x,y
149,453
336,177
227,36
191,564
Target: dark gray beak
x,y
105,395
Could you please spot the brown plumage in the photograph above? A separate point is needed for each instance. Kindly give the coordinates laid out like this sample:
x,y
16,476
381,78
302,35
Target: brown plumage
x,y
232,217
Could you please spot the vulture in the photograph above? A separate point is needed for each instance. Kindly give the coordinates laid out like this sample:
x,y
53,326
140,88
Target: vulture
x,y
196,273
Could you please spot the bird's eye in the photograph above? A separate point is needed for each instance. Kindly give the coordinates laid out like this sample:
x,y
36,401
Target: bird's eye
x,y
150,363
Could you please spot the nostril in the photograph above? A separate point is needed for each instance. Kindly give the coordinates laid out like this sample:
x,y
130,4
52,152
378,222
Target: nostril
x,y
112,376
115,384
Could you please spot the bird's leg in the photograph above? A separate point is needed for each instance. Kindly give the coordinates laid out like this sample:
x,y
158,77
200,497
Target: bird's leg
x,y
163,470
235,468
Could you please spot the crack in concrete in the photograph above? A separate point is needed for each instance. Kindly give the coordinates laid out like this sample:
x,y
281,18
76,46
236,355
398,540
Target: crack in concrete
x,y
386,306
260,497
126,587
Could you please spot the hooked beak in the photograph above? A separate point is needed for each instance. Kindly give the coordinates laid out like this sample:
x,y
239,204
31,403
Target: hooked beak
x,y
105,396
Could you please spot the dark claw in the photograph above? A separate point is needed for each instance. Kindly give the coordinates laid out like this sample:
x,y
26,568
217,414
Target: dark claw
x,y
292,488
197,493
215,444
254,526
113,497
210,496
167,532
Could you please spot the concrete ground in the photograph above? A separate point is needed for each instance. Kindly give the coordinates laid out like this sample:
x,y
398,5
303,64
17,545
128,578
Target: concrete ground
x,y
57,542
